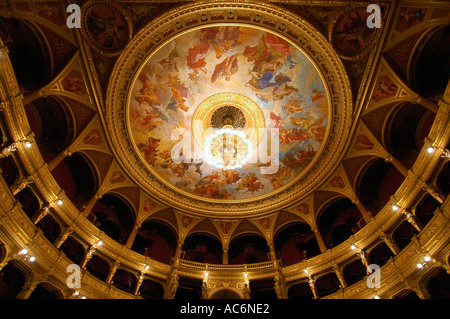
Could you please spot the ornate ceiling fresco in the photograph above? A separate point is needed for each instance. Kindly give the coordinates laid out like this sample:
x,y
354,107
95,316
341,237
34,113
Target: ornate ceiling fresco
x,y
176,78
203,64
167,130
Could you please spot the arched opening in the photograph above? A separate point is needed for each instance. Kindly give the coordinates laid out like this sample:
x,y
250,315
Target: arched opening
x,y
377,183
248,249
29,202
28,53
98,267
443,180
380,254
294,243
327,284
406,294
406,129
430,71
202,247
263,289
114,216
151,289
225,294
76,177
300,291
50,228
189,288
354,272
9,170
404,233
45,291
338,221
51,123
426,208
12,280
439,285
73,250
125,280
156,240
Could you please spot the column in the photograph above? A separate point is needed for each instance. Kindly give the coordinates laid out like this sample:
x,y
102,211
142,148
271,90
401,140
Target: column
x,y
42,213
412,220
8,150
87,257
341,278
311,282
58,159
430,189
177,255
171,288
364,212
139,283
62,237
433,107
112,272
280,286
27,290
31,96
21,184
273,255
318,235
390,243
225,257
397,164
132,236
90,205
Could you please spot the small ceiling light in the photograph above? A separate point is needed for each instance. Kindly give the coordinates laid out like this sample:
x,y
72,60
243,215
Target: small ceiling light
x,y
419,265
353,247
24,251
147,267
32,259
59,202
206,274
99,243
245,275
376,297
427,258
430,149
76,293
27,144
306,271
395,207
84,297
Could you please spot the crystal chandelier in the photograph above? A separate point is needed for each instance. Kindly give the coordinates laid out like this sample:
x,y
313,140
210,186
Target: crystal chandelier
x,y
227,148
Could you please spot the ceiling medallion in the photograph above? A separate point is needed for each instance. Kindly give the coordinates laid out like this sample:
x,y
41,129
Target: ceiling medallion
x,y
106,27
228,89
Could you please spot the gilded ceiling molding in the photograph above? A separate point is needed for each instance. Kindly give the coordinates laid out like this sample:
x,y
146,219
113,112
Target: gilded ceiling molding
x,y
265,17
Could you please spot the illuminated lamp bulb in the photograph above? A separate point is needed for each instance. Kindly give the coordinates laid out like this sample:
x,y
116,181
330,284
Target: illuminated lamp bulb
x,y
427,258
27,144
306,271
430,149
395,207
419,265
76,293
59,202
32,259
84,297
99,243
353,247
376,297
147,267
24,251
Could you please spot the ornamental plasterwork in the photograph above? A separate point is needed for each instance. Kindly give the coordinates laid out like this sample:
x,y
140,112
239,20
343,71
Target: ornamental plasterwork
x,y
261,16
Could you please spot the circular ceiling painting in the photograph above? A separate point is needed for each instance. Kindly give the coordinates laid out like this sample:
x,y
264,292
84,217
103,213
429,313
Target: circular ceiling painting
x,y
228,113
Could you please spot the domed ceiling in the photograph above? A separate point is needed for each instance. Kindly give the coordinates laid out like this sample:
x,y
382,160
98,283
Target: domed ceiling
x,y
229,118
257,81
